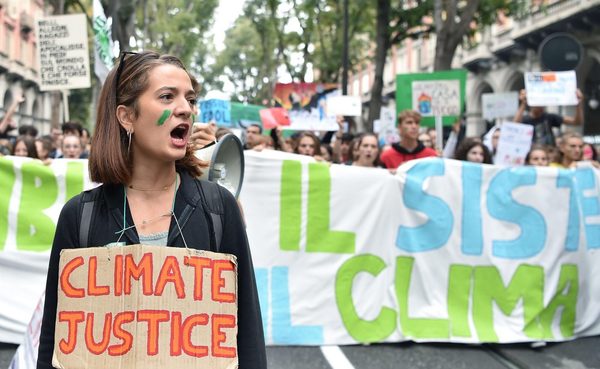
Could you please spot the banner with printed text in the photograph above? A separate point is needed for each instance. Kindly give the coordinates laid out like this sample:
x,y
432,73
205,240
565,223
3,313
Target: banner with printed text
x,y
442,251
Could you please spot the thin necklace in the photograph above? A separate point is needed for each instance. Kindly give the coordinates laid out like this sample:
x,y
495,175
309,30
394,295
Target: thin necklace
x,y
131,187
147,221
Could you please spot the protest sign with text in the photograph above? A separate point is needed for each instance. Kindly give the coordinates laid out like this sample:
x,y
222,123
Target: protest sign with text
x,y
499,105
514,144
63,52
551,88
146,306
216,110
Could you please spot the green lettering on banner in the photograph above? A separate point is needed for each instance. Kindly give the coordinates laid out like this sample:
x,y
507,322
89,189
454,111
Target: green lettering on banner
x,y
459,290
7,181
527,283
35,229
415,327
290,212
74,179
568,279
318,236
362,330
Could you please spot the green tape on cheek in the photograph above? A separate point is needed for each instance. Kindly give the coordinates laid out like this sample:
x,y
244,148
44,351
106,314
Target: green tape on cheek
x,y
163,118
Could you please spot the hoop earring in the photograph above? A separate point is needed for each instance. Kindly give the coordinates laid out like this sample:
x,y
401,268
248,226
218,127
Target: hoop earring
x,y
129,141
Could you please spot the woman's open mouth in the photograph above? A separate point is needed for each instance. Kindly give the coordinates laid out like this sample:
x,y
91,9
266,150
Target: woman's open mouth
x,y
179,135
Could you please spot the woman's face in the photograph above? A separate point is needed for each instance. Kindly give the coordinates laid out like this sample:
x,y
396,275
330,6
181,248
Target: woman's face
x,y
21,149
588,153
367,150
162,127
306,146
475,155
425,140
71,147
42,153
538,158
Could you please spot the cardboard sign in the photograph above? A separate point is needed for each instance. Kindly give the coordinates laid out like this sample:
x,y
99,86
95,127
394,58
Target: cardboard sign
x,y
216,110
551,88
344,105
514,144
146,307
63,52
499,105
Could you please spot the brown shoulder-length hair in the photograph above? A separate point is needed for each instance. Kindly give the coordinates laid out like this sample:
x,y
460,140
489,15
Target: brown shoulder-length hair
x,y
109,160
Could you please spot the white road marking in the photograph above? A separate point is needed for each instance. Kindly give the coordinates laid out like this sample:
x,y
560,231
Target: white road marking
x,y
336,358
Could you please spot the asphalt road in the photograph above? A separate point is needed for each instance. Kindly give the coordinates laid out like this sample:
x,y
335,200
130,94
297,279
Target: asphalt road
x,y
583,353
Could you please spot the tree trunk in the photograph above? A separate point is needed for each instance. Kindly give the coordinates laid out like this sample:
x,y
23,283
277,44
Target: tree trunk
x,y
382,46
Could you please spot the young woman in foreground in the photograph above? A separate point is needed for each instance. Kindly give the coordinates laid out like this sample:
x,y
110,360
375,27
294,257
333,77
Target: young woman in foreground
x,y
141,155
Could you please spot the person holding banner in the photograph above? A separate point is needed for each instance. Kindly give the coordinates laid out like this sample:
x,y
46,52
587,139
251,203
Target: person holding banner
x,y
543,122
150,192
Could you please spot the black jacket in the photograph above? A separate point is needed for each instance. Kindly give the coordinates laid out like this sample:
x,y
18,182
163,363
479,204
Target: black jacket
x,y
196,225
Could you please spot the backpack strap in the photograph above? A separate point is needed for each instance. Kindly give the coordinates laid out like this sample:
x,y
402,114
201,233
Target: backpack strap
x,y
88,200
213,204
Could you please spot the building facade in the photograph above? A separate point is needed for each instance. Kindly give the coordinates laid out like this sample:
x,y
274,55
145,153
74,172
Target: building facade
x,y
500,57
19,68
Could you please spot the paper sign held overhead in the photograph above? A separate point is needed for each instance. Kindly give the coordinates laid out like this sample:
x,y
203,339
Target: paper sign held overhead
x,y
344,105
274,117
146,307
62,51
551,88
514,144
499,105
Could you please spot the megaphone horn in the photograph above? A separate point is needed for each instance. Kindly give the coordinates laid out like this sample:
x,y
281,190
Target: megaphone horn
x,y
226,159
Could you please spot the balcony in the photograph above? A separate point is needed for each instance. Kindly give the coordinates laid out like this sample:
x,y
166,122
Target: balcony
x,y
556,16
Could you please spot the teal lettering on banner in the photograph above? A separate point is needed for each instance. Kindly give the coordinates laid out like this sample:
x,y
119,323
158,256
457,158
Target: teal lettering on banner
x,y
283,330
590,206
35,229
262,286
435,232
502,206
566,179
360,329
472,237
7,182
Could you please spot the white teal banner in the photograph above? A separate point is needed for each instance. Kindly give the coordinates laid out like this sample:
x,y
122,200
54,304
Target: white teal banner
x,y
443,251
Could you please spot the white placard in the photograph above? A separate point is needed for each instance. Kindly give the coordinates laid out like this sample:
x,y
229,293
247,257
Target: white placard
x,y
437,97
514,144
344,105
499,105
63,52
551,88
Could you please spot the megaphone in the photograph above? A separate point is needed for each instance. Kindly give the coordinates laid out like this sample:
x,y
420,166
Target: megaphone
x,y
226,159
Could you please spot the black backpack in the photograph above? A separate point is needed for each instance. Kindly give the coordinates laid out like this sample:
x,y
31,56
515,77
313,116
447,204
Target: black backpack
x,y
208,194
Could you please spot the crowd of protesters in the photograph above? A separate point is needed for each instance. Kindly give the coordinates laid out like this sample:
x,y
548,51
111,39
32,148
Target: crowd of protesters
x,y
549,146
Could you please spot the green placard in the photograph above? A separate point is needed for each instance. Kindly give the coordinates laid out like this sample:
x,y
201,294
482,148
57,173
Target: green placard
x,y
434,92
245,112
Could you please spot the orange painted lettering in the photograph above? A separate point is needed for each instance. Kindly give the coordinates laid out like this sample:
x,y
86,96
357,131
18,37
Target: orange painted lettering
x,y
199,264
73,318
65,285
170,273
93,288
153,318
94,347
176,334
121,318
218,337
118,275
188,347
142,270
218,282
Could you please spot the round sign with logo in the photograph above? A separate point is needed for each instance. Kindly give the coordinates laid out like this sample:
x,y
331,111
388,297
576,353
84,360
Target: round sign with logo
x,y
560,52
